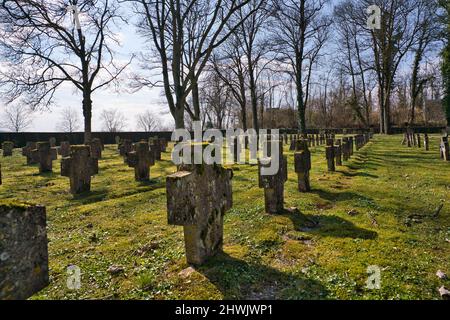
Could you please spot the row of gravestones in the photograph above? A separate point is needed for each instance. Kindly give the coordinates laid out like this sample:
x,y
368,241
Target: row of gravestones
x,y
198,195
80,162
411,139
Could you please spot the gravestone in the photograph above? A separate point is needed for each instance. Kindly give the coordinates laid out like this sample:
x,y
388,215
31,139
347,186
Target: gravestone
x,y
350,146
141,159
302,163
64,149
23,250
79,167
444,149
125,147
44,155
52,141
164,144
197,198
155,147
345,149
338,152
293,143
273,184
329,153
27,152
117,139
426,142
7,147
96,148
419,142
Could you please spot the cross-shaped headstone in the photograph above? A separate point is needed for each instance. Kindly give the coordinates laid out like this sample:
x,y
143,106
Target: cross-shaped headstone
x,y
329,153
273,184
23,250
44,155
64,148
445,153
338,152
125,147
7,147
302,163
155,147
27,152
197,198
79,167
141,159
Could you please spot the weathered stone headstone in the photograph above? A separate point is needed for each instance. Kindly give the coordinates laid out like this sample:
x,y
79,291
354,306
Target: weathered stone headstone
x,y
338,152
79,167
426,142
329,153
52,141
350,146
23,250
419,142
155,147
27,152
44,155
96,148
125,147
141,159
197,198
117,139
164,144
273,184
64,148
302,163
345,148
7,147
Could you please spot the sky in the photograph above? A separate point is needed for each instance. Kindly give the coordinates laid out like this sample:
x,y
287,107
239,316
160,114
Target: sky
x,y
130,104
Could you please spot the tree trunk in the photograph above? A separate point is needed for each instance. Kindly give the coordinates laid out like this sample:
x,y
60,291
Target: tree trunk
x,y
87,113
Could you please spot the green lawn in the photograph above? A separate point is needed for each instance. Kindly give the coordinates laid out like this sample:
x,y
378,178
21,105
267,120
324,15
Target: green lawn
x,y
317,252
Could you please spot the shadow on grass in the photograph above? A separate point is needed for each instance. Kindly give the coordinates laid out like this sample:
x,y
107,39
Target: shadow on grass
x,y
358,174
91,196
328,226
338,196
239,279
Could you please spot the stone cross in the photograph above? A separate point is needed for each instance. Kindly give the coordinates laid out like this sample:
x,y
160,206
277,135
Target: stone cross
x,y
64,148
164,144
445,153
426,142
329,153
96,148
125,147
52,141
7,147
197,198
273,184
141,159
23,250
27,152
302,163
350,140
44,154
338,152
155,147
79,167
293,143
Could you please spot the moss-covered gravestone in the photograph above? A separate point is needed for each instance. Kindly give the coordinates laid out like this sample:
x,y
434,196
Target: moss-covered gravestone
x,y
141,159
79,167
197,198
273,185
302,163
44,155
23,250
27,152
7,147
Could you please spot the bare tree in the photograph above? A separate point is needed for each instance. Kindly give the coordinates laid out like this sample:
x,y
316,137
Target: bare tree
x,y
184,34
113,120
44,49
300,30
70,120
17,118
148,121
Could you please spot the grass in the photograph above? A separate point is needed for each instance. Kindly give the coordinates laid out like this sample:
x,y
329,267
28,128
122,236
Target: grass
x,y
316,252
